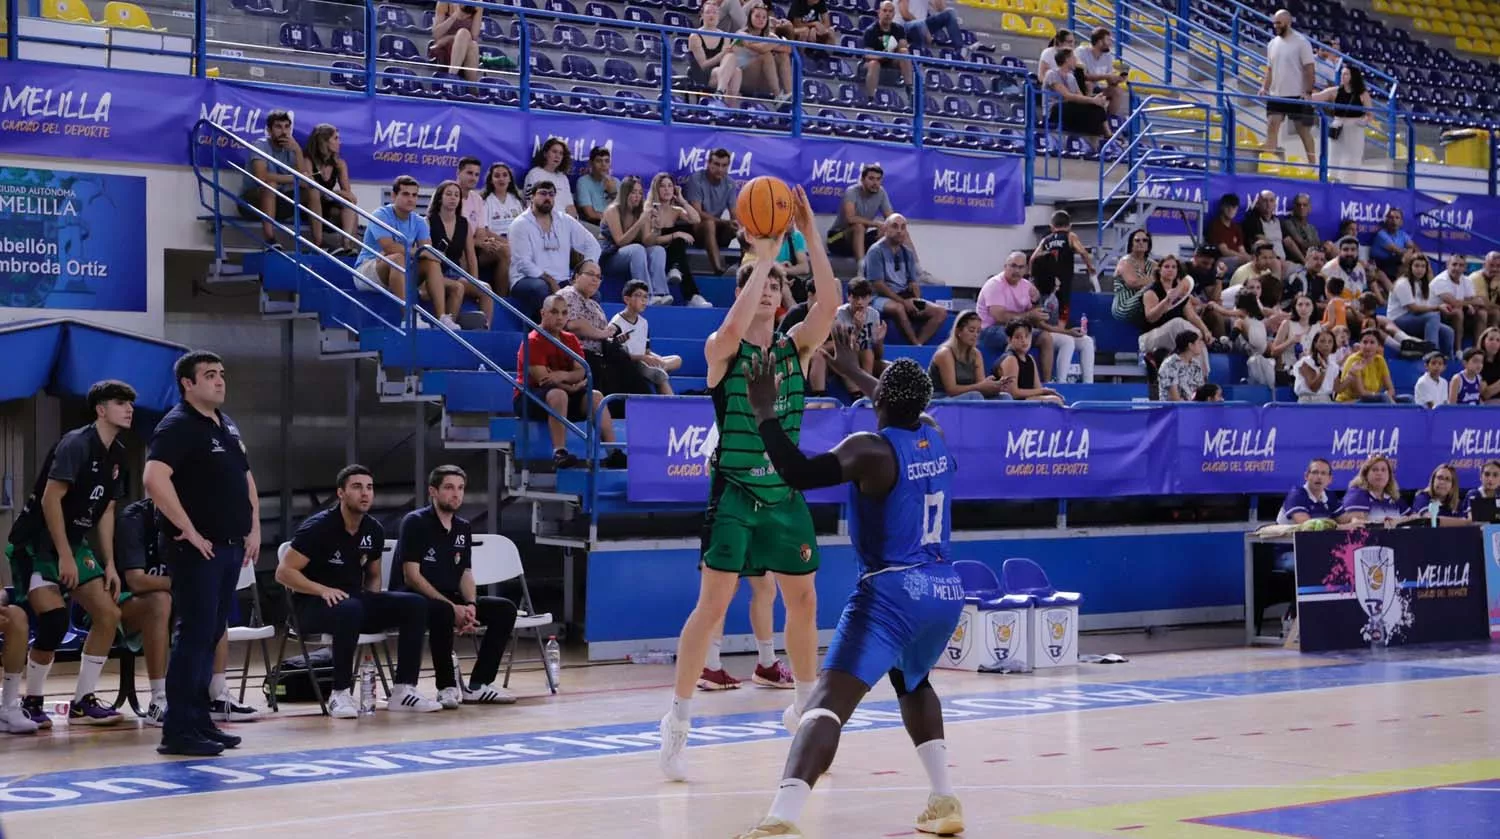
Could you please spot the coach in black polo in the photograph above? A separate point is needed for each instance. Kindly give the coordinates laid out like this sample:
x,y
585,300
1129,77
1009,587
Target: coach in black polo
x,y
435,549
198,475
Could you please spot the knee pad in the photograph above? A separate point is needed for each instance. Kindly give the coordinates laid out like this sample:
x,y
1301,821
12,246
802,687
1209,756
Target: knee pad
x,y
814,713
50,629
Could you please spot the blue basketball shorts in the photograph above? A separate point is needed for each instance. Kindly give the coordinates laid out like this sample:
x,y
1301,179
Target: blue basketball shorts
x,y
897,620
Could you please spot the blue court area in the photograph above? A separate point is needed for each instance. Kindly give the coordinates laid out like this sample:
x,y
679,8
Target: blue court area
x,y
1471,810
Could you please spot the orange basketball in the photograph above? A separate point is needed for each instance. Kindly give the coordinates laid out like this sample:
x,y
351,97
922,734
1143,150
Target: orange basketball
x,y
765,207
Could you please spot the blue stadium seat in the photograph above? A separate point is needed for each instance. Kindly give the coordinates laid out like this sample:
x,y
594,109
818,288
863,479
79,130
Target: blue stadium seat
x,y
957,108
600,11
397,48
261,8
445,85
585,99
399,81
619,71
941,81
562,7
648,45
639,15
546,96
569,36
347,42
610,42
579,68
970,84
677,19
391,16
541,65
639,107
814,92
492,30
301,37
347,75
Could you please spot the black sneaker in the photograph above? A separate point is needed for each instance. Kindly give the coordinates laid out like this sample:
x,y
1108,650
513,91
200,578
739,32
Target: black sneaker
x,y
615,460
564,459
214,735
190,747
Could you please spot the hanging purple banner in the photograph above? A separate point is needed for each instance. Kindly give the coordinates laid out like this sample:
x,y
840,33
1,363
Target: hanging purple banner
x,y
830,167
1468,224
1346,435
93,114
1466,438
1223,445
972,190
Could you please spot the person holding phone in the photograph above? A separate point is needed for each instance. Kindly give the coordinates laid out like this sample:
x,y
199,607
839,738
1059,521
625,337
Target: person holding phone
x,y
670,222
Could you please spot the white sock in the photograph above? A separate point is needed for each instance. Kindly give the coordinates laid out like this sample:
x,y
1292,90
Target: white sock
x,y
36,677
217,687
934,756
158,691
791,796
715,652
767,652
89,668
10,690
681,709
804,693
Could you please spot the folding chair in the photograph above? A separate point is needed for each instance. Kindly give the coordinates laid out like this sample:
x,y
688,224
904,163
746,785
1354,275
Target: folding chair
x,y
496,559
257,630
374,641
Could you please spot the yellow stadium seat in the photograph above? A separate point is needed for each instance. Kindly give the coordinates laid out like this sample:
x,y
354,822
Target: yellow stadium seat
x,y
1013,23
1451,15
1464,44
1440,27
1399,8
67,11
1463,5
1489,33
1441,4
1426,154
1042,28
1055,8
127,16
1421,24
1383,6
1485,19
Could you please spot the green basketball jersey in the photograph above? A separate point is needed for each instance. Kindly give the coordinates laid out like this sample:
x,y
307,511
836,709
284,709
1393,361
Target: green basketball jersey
x,y
741,456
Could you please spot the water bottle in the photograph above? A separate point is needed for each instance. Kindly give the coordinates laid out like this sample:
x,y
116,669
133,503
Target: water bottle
x,y
552,654
458,676
1083,324
367,686
653,657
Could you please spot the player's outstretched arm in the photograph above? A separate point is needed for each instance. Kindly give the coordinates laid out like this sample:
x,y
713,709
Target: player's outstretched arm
x,y
725,341
864,458
844,359
814,329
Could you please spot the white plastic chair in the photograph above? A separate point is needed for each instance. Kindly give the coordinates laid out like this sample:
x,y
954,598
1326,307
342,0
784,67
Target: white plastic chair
x,y
256,631
495,559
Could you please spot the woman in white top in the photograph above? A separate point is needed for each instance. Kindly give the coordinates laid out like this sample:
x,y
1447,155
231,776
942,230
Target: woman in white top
x,y
552,162
1063,40
1294,334
1315,374
502,203
1416,310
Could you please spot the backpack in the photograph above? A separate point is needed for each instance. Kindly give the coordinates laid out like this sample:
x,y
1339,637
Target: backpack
x,y
293,684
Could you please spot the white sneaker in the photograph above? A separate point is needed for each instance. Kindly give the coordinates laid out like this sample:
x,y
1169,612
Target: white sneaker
x,y
341,705
225,709
697,302
13,720
449,698
674,276
674,734
663,300
489,695
791,718
407,698
448,321
156,715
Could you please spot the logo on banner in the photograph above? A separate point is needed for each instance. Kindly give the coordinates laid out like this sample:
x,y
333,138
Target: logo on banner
x,y
416,143
958,644
690,450
693,158
1355,445
1375,585
955,187
1038,451
578,147
1055,623
33,109
830,176
1239,450
1456,223
1470,448
247,122
1002,632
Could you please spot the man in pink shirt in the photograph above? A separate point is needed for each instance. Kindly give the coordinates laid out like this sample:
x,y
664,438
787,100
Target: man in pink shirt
x,y
491,250
1009,296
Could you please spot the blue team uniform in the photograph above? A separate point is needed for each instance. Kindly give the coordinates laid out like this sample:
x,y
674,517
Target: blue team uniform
x,y
909,598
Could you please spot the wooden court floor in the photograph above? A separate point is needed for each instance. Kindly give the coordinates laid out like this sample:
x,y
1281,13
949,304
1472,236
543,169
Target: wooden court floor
x,y
1192,744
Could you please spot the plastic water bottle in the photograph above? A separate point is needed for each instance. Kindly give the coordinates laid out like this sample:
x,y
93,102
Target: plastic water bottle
x,y
457,674
367,686
1083,324
653,657
552,654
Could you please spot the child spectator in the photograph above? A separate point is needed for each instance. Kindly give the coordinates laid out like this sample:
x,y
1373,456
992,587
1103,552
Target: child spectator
x,y
1430,390
1467,385
635,337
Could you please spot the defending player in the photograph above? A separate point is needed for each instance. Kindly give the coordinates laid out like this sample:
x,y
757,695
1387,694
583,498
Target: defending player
x,y
900,617
755,522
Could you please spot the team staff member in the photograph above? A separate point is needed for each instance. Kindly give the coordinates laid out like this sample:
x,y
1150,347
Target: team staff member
x,y
435,549
146,576
198,475
334,569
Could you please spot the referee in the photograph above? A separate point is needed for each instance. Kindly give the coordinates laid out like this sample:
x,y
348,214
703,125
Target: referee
x,y
198,474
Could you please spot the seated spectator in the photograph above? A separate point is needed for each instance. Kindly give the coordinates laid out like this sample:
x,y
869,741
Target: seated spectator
x,y
1415,309
811,22
428,537
1053,263
456,29
502,204
1489,344
1442,490
554,162
277,201
1207,274
331,172
957,368
1167,310
1336,308
14,634
1209,392
1307,279
1078,112
384,258
1316,373
885,35
1347,227
816,375
1310,500
1487,285
623,232
560,382
1180,376
597,189
862,214
795,266
1263,264
712,195
1261,224
1467,385
893,270
1134,273
1373,497
1047,61
766,68
1223,232
635,336
1367,316
1463,307
542,243
673,223
1017,370
491,252
1009,296
863,320
1391,246
1298,235
1295,333
1097,61
1431,389
1343,345
1489,484
1251,330
1366,377
614,371
452,235
333,571
712,61
924,19
1068,340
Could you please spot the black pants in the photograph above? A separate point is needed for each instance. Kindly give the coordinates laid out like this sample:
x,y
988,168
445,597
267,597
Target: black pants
x,y
677,257
202,594
498,617
366,611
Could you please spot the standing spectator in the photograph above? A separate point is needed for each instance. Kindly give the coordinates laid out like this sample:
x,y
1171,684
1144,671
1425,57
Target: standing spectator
x,y
1329,61
329,171
452,235
623,231
1431,390
1373,497
396,236
1168,311
733,14
554,162
1416,310
1224,232
635,337
1009,296
766,68
1261,223
673,222
811,22
1316,373
614,371
1098,63
712,195
862,213
892,268
1467,385
1289,75
712,64
1351,114
957,368
1133,274
559,381
924,19
1053,263
1392,246
1047,61
1017,369
1487,285
456,29
1298,235
1182,373
863,320
1076,112
1366,378
885,35
198,475
542,243
502,204
1462,306
274,191
596,187
491,254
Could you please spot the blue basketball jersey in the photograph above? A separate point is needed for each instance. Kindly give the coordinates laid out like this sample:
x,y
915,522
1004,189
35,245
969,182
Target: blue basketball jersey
x,y
1468,392
910,525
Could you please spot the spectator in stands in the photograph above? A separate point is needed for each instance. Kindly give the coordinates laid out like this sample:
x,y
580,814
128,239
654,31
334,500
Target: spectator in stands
x,y
554,162
1053,263
452,236
1415,309
1265,265
14,633
885,35
635,337
1431,389
1180,376
333,572
502,204
1261,223
1207,273
488,244
1467,385
1167,310
816,378
1316,373
712,64
1224,232
1294,333
456,29
1047,61
603,345
1329,62
1487,285
1068,340
1133,274
276,202
1098,63
957,368
384,258
1306,278
1462,307
1311,500
1298,235
1392,246
1489,344
1209,392
1009,296
766,68
1373,496
811,22
1366,377
1366,315
1343,346
924,19
331,172
712,195
1251,326
795,266
862,213
1489,484
673,223
542,243
623,234
1348,269
1350,115
892,268
596,187
1017,370
864,321
1289,75
1077,112
1442,490
560,382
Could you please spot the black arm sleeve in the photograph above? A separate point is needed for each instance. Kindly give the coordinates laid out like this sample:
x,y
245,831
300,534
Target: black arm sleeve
x,y
799,471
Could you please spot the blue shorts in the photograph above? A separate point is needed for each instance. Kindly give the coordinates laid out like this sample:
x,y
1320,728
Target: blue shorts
x,y
897,620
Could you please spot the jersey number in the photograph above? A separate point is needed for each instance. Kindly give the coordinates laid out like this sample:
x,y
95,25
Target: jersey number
x,y
932,518
96,494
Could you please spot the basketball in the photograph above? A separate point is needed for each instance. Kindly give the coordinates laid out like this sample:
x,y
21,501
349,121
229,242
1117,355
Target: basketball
x,y
765,207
